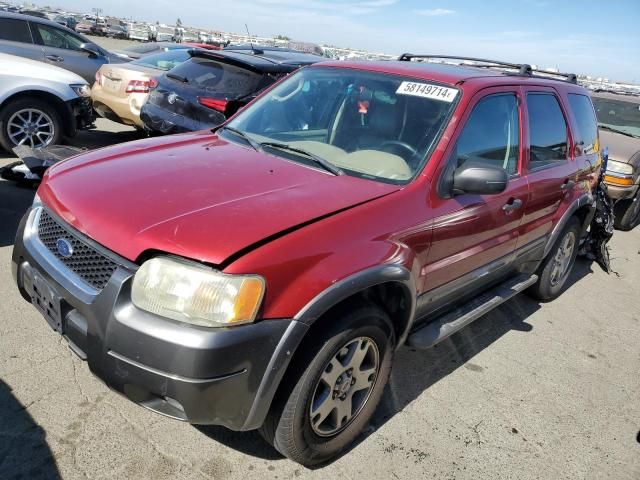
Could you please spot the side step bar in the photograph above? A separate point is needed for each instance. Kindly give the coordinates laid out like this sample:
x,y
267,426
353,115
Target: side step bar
x,y
449,323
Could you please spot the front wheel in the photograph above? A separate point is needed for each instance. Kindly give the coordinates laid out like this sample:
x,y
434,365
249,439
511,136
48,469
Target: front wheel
x,y
331,401
30,122
627,213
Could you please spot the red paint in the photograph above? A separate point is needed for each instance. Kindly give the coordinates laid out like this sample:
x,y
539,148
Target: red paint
x,y
201,197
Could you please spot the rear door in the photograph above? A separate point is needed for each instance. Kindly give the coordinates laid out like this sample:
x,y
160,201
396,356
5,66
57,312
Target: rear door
x,y
550,166
16,39
62,48
474,236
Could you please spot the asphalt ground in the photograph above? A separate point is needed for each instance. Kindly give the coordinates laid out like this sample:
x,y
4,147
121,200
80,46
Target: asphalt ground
x,y
529,391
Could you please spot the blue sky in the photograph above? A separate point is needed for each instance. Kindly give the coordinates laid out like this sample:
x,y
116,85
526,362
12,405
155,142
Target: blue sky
x,y
583,36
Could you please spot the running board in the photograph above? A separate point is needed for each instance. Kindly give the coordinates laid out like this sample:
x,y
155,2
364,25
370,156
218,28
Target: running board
x,y
448,324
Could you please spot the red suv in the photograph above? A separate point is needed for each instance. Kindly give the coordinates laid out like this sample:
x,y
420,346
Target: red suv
x,y
262,275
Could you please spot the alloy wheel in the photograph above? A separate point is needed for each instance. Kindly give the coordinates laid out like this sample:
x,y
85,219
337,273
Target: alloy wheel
x,y
344,386
562,259
31,127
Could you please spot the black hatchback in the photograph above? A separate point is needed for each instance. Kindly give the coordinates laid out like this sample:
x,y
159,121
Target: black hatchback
x,y
212,85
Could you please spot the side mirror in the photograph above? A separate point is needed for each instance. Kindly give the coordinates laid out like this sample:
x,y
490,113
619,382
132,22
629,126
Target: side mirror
x,y
91,49
479,179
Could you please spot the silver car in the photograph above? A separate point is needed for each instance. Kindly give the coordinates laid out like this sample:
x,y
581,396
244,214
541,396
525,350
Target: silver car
x,y
50,42
39,103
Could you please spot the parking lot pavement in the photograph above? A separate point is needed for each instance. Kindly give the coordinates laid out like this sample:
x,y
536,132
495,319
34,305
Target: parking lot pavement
x,y
531,390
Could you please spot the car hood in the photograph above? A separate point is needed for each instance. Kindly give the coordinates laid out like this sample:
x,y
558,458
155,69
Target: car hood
x,y
194,195
622,148
12,65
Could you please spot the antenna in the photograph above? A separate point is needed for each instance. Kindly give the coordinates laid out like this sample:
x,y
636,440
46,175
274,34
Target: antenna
x,y
250,41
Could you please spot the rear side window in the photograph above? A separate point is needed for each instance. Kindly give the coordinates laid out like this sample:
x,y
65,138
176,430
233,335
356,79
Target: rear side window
x,y
218,77
491,135
587,124
14,30
547,130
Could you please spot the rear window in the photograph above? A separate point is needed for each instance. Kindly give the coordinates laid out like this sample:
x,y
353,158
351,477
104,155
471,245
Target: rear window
x,y
14,30
547,130
165,60
587,125
218,77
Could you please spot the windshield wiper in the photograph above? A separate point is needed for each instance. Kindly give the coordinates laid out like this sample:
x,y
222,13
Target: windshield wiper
x,y
177,77
615,130
255,145
330,167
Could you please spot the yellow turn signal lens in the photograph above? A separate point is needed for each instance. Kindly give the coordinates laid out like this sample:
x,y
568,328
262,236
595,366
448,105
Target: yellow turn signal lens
x,y
623,182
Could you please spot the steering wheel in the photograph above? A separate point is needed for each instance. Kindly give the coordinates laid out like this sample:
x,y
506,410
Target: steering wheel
x,y
397,143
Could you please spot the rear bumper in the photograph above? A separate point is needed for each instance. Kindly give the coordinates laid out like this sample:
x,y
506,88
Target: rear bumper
x,y
118,109
204,376
160,120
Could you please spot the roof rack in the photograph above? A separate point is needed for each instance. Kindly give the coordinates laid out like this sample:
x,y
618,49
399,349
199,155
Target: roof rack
x,y
522,68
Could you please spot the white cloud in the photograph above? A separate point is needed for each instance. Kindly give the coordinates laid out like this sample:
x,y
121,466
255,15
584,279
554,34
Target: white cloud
x,y
435,12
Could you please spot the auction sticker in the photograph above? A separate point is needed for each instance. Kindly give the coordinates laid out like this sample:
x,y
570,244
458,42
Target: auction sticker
x,y
427,90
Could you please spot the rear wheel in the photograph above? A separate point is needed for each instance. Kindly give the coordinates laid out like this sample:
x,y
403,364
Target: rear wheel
x,y
29,122
627,213
326,405
556,267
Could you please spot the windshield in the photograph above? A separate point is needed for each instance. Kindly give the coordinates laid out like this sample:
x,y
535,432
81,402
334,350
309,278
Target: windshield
x,y
371,125
165,60
618,115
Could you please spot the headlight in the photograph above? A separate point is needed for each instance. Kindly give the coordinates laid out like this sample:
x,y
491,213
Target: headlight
x,y
83,90
36,201
619,167
195,294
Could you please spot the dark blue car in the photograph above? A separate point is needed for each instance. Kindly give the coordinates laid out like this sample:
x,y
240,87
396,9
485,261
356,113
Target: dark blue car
x,y
212,85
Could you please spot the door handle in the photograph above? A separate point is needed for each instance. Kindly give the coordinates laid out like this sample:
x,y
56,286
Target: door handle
x,y
55,58
567,185
514,204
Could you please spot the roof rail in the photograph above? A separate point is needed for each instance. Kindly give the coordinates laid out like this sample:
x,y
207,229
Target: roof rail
x,y
522,68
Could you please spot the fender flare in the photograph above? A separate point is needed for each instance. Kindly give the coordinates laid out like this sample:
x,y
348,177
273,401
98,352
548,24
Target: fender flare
x,y
586,199
302,321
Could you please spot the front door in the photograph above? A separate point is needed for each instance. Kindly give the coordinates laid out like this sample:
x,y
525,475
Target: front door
x,y
474,236
62,48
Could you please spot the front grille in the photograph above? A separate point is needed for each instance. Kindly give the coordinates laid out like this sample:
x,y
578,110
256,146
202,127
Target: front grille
x,y
86,262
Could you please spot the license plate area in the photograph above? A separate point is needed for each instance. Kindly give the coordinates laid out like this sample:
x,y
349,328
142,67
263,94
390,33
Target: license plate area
x,y
45,299
111,85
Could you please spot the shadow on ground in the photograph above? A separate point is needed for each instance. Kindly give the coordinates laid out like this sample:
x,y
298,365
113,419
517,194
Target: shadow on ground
x,y
24,453
14,201
414,371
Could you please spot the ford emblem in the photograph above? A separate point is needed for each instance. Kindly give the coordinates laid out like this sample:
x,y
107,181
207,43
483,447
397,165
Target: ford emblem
x,y
65,249
172,97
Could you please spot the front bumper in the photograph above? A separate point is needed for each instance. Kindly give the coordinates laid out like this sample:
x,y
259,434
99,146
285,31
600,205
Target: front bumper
x,y
80,110
204,376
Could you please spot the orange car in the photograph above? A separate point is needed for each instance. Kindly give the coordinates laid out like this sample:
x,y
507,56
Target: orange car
x,y
120,90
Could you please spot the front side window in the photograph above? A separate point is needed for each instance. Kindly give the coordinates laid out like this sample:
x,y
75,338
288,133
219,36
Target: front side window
x,y
491,136
14,30
53,37
587,126
547,130
371,125
618,115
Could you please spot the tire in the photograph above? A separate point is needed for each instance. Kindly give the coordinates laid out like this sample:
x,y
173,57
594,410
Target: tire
x,y
290,426
627,213
557,266
49,115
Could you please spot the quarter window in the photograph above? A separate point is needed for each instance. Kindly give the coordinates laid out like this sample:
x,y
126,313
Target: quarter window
x,y
491,135
547,130
14,30
587,125
53,37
